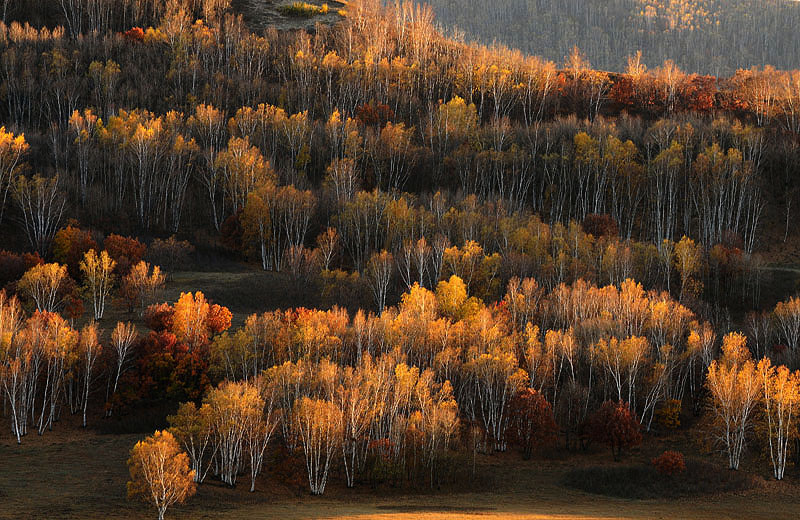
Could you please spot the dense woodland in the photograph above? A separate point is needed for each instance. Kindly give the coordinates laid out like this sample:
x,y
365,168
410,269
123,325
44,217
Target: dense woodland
x,y
521,253
709,36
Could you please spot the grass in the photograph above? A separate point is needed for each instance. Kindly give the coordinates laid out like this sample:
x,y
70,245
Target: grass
x,y
302,9
642,481
75,474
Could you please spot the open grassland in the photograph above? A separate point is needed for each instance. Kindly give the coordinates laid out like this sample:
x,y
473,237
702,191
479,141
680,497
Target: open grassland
x,y
260,14
80,474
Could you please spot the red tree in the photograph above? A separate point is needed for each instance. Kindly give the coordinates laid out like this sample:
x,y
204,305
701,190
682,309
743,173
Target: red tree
x,y
531,424
125,251
613,424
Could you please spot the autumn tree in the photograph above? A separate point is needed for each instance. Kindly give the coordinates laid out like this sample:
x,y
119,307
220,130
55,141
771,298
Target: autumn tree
x,y
195,319
12,149
125,251
531,423
781,398
160,473
90,350
122,339
318,425
497,378
688,262
787,317
14,363
141,284
735,388
41,201
380,269
234,407
615,425
70,244
44,284
98,278
192,427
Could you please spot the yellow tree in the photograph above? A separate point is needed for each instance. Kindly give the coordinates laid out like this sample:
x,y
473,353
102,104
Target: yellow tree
x,y
98,277
781,398
243,168
787,316
735,388
317,423
122,339
688,258
42,283
233,406
189,320
496,378
90,350
160,473
623,359
257,220
140,285
352,398
193,429
13,357
12,149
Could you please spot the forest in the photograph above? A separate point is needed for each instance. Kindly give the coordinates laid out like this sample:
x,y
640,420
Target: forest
x,y
706,36
365,256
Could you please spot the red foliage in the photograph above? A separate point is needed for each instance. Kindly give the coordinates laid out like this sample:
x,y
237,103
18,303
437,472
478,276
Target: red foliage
x,y
600,225
531,423
669,463
371,115
623,92
14,265
125,251
219,319
159,317
167,368
613,424
134,34
700,94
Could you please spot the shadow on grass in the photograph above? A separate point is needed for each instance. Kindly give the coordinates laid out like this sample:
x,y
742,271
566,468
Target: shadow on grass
x,y
644,482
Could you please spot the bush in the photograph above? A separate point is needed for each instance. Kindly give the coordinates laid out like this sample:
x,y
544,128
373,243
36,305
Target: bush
x,y
669,463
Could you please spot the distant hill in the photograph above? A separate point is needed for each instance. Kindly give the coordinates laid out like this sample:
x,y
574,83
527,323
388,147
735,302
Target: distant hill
x,y
704,36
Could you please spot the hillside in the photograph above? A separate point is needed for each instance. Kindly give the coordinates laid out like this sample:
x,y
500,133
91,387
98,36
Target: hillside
x,y
705,36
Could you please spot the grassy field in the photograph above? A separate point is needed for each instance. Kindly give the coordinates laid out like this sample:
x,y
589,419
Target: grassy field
x,y
260,14
76,474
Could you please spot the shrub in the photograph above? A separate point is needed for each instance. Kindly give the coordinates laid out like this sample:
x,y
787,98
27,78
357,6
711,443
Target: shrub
x,y
669,463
